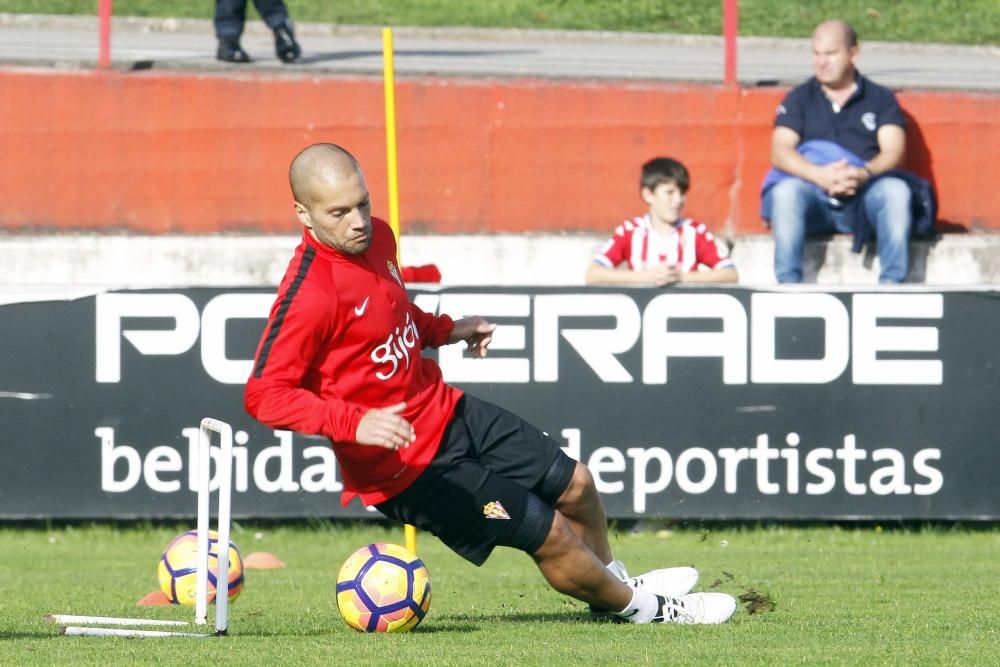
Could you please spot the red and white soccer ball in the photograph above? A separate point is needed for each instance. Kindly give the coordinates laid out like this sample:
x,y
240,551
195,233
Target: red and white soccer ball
x,y
178,568
383,588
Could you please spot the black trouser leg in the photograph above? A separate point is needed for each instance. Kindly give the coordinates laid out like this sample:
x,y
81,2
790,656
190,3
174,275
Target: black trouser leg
x,y
230,15
273,12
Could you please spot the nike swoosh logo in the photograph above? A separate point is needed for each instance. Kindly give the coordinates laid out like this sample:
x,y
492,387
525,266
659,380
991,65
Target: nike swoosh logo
x,y
630,614
360,310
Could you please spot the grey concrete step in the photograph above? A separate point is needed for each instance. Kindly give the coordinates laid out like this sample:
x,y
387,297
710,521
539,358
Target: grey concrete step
x,y
508,259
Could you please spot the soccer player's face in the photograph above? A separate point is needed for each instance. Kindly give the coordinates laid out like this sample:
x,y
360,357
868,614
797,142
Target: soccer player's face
x,y
666,201
339,212
833,61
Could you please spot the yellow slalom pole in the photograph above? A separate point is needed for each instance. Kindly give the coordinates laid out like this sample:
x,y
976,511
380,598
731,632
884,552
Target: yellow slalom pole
x,y
390,134
392,173
410,537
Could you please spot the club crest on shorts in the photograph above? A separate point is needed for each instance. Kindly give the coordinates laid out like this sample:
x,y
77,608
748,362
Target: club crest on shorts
x,y
395,273
494,510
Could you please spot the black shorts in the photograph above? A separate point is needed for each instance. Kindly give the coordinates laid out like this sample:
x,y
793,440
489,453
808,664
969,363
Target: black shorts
x,y
494,481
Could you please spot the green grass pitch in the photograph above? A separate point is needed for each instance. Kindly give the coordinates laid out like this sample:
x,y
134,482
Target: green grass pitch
x,y
824,596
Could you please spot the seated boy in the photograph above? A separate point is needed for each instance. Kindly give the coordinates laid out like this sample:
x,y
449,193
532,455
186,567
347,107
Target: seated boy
x,y
661,248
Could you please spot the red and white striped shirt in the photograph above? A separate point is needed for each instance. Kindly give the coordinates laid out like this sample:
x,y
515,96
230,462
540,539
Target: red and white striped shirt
x,y
686,246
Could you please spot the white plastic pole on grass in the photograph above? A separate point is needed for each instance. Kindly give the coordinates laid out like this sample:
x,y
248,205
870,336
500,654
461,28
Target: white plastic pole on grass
x,y
225,469
124,632
204,491
225,504
107,620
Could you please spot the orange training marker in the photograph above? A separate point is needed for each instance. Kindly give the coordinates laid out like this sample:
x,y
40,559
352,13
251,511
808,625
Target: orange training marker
x,y
262,560
154,599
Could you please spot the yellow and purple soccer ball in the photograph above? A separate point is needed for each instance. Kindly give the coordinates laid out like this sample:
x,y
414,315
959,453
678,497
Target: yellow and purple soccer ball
x,y
383,588
178,568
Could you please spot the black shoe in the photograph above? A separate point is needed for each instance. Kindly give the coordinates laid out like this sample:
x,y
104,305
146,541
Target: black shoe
x,y
285,46
230,51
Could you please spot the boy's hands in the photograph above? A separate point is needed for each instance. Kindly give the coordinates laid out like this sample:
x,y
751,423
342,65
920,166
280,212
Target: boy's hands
x,y
661,275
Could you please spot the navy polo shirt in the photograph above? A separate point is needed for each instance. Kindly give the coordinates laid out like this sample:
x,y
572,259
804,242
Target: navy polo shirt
x,y
808,111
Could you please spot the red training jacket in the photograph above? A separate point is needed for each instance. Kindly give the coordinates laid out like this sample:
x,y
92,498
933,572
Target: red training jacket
x,y
342,338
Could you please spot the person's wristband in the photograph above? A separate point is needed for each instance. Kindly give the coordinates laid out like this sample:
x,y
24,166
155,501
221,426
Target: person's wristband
x,y
868,170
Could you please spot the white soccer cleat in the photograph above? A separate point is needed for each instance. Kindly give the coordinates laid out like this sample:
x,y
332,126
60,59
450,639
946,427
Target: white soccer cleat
x,y
695,609
670,582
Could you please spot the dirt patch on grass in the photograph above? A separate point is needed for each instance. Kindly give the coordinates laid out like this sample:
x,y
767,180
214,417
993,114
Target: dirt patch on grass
x,y
757,602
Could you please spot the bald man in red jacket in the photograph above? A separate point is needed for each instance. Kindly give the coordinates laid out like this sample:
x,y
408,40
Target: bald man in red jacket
x,y
341,357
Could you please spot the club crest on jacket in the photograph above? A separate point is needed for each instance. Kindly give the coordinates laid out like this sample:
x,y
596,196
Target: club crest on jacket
x,y
395,273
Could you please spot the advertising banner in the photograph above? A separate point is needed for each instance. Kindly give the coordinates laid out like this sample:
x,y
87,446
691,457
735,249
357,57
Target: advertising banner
x,y
685,403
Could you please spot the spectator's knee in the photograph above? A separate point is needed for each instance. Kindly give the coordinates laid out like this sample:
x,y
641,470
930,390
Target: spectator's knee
x,y
890,197
894,192
788,192
789,201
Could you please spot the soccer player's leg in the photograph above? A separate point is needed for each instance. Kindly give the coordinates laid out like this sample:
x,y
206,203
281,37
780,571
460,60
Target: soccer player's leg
x,y
583,508
518,451
473,510
573,569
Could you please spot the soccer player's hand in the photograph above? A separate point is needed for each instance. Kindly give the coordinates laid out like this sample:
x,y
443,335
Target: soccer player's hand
x,y
383,427
476,332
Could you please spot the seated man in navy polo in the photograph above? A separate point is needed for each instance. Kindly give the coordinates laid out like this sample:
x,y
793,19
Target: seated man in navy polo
x,y
835,138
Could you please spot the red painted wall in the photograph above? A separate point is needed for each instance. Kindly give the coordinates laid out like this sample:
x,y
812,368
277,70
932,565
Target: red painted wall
x,y
171,153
